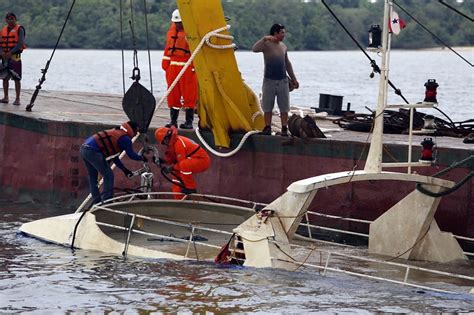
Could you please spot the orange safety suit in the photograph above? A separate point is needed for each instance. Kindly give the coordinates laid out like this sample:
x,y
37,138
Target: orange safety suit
x,y
188,158
175,56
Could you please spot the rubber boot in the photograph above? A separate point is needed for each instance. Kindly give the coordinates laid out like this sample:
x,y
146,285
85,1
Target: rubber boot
x,y
189,119
174,113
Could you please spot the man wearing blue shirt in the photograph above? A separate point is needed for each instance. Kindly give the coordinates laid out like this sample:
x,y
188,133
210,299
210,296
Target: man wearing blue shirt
x,y
107,145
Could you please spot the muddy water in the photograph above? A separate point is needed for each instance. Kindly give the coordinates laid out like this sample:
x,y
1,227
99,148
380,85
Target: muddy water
x,y
41,278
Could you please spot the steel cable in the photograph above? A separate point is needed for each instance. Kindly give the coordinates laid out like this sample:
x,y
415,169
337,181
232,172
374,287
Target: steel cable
x,y
373,63
432,34
45,70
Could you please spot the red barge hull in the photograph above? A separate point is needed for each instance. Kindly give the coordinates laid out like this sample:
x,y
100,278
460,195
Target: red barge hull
x,y
41,163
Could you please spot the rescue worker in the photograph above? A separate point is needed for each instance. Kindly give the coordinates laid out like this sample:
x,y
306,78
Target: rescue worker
x,y
176,54
107,145
185,158
12,43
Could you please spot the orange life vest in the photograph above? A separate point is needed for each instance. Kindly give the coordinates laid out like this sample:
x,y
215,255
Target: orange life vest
x,y
176,43
107,140
9,38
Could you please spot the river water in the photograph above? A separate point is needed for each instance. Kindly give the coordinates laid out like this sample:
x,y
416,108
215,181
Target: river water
x,y
41,278
343,73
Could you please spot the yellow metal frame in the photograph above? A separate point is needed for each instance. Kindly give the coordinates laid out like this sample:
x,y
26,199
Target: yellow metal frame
x,y
226,103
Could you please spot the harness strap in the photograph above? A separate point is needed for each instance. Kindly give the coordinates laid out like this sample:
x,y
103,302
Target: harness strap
x,y
197,149
103,135
177,48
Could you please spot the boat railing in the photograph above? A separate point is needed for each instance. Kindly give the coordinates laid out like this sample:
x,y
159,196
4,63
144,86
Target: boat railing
x,y
130,229
142,196
254,206
310,226
325,266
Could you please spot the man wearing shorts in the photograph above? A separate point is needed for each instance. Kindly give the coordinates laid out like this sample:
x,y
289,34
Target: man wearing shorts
x,y
275,80
12,39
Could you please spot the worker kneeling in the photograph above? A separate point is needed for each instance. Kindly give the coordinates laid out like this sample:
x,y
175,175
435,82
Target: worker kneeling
x,y
184,158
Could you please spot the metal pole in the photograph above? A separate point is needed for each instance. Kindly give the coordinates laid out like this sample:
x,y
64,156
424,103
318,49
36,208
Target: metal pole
x,y
374,158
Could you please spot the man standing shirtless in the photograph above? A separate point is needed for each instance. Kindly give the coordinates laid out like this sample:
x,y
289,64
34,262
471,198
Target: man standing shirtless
x,y
275,80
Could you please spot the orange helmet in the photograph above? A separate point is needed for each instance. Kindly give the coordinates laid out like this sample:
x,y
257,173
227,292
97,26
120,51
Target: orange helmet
x,y
130,127
165,135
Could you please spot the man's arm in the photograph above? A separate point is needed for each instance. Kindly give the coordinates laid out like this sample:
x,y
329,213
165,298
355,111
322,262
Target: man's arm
x,y
260,45
291,73
165,62
119,163
21,40
126,144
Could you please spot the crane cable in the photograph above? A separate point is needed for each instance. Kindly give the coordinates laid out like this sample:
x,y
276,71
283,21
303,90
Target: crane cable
x,y
373,63
45,70
455,10
432,34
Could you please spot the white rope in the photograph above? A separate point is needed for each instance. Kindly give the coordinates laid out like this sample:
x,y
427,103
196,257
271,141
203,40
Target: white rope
x,y
226,154
193,55
222,36
206,39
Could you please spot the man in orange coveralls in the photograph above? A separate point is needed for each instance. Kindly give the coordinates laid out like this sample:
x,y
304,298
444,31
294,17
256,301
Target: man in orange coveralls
x,y
184,157
176,54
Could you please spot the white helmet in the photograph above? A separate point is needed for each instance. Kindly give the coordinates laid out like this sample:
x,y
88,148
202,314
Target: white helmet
x,y
175,17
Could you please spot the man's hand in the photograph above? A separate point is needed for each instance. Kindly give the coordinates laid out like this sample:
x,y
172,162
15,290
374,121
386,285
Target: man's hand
x,y
187,191
296,84
158,161
168,169
128,173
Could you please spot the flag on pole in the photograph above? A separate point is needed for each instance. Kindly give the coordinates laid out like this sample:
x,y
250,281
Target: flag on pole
x,y
395,24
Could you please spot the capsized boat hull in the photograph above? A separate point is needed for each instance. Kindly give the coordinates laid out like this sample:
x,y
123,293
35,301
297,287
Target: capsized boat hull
x,y
159,228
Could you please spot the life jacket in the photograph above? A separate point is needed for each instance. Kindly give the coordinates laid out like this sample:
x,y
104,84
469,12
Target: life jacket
x,y
9,39
107,140
176,43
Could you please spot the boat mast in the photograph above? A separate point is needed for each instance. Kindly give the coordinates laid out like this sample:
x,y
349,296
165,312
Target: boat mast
x,y
374,158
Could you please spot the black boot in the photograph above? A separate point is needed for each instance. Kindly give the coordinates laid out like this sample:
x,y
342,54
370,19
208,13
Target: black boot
x,y
174,113
189,119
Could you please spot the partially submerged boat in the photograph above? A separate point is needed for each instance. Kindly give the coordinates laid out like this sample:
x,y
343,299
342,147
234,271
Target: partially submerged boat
x,y
231,230
149,224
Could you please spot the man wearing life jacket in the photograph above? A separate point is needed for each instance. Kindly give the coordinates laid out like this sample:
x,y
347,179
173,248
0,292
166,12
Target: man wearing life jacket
x,y
107,145
12,41
185,158
176,54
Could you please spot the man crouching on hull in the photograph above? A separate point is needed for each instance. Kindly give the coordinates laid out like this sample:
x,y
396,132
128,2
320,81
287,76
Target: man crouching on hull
x,y
185,158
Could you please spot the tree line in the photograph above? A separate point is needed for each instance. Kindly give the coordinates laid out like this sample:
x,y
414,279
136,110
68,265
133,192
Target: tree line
x,y
96,24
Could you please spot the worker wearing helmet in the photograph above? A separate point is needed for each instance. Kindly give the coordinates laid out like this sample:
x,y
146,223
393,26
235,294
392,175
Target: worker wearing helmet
x,y
185,158
176,54
107,145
